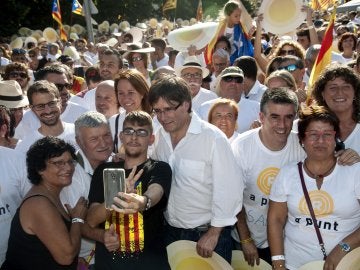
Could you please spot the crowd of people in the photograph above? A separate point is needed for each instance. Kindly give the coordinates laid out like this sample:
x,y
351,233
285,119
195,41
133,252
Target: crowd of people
x,y
228,146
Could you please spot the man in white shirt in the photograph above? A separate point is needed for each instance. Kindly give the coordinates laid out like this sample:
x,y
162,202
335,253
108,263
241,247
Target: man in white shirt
x,y
253,89
230,85
220,61
260,153
159,58
106,101
206,194
193,73
44,100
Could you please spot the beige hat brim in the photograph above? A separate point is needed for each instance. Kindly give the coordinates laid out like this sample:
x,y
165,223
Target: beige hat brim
x,y
182,255
315,265
281,16
205,71
15,104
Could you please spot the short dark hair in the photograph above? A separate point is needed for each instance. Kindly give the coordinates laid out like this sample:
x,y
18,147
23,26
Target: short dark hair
x,y
316,113
223,39
345,36
43,150
172,89
92,74
43,87
116,53
303,32
280,95
43,72
332,72
140,118
159,42
248,65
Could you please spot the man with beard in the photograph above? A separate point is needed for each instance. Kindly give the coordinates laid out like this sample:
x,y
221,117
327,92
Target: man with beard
x,y
134,236
193,73
110,64
44,100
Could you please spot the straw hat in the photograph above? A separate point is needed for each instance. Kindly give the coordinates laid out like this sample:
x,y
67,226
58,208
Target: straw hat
x,y
104,27
67,28
79,28
124,26
37,34
193,62
11,95
114,27
282,16
198,34
72,52
182,255
50,35
74,35
137,34
153,23
24,31
141,25
17,43
30,39
238,262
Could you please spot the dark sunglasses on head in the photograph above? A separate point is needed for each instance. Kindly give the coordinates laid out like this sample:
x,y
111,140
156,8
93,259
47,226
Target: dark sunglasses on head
x,y
289,68
287,52
18,74
230,79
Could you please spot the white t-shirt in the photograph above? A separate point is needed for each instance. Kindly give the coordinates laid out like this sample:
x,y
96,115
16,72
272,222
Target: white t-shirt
x,y
205,186
258,169
89,99
202,96
336,208
112,123
68,135
13,187
353,140
248,112
163,62
256,92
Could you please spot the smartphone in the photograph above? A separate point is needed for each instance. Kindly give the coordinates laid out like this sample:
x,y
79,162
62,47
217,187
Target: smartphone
x,y
114,182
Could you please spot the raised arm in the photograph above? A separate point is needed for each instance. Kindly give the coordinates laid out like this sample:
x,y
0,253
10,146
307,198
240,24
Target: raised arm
x,y
261,60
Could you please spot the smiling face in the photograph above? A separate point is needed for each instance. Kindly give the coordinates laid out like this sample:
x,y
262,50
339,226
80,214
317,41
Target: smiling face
x,y
223,116
105,100
47,116
234,17
128,97
56,175
339,96
277,121
109,66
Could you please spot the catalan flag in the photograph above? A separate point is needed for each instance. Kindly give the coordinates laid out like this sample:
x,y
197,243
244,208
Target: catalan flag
x,y
199,12
324,57
56,14
169,4
76,7
322,4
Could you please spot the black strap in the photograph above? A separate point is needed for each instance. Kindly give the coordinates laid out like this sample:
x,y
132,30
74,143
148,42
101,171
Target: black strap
x,y
311,210
116,139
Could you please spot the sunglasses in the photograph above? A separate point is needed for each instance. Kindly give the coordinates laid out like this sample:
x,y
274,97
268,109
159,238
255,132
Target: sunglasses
x,y
289,68
16,74
137,132
287,52
60,86
135,59
230,79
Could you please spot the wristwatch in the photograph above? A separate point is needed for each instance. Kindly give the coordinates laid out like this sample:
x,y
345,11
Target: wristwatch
x,y
344,247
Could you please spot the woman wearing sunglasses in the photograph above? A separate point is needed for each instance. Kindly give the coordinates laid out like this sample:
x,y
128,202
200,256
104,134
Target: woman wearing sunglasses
x,y
139,60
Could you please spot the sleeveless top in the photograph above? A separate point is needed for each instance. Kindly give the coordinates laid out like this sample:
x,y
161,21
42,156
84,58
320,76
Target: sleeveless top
x,y
26,251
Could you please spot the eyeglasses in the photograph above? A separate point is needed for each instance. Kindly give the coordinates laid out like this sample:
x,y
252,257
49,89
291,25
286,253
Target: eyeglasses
x,y
60,86
138,132
41,107
232,79
192,76
287,52
136,59
166,111
61,163
16,74
326,135
289,68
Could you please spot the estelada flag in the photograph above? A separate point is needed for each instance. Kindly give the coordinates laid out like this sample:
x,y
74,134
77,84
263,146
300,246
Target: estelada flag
x,y
76,7
322,4
324,57
169,4
56,14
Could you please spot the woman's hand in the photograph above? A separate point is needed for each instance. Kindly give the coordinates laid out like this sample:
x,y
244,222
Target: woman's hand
x,y
347,157
333,258
131,180
79,210
259,19
129,203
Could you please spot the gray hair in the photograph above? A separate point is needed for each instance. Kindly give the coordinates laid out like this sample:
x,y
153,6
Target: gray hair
x,y
222,54
311,51
90,119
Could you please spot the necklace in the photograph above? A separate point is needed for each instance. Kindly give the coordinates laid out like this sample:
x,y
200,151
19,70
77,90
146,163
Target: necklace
x,y
319,176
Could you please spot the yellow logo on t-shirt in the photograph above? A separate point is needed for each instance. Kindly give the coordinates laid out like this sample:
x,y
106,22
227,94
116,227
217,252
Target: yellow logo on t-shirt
x,y
321,202
266,179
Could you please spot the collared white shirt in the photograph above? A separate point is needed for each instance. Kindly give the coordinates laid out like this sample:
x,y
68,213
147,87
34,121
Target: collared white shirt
x,y
202,96
256,92
205,184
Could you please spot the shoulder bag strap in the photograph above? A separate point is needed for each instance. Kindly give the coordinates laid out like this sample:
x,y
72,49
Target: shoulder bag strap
x,y
115,150
311,210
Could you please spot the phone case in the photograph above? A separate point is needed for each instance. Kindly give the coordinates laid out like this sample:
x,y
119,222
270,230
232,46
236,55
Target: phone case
x,y
114,182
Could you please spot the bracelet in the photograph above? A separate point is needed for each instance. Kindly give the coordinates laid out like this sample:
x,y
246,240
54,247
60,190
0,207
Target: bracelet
x,y
247,240
77,220
278,258
278,267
